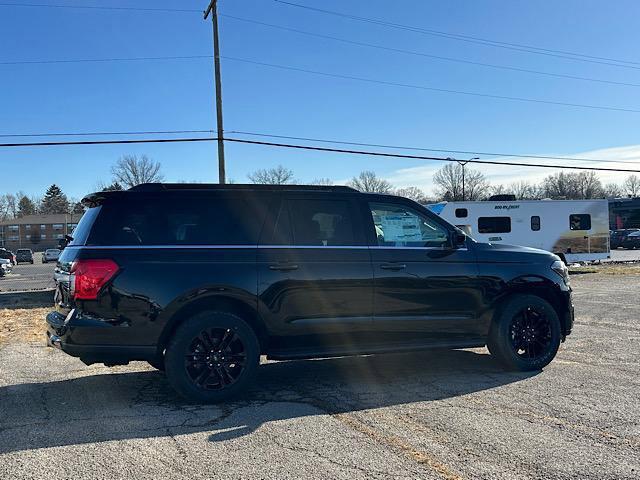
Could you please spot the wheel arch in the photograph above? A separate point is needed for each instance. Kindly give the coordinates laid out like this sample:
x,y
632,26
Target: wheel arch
x,y
224,303
538,286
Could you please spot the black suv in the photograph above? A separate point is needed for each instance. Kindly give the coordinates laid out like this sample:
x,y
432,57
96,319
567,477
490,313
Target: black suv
x,y
24,255
200,280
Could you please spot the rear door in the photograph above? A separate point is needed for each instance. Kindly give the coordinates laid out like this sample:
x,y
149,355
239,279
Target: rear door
x,y
315,283
425,289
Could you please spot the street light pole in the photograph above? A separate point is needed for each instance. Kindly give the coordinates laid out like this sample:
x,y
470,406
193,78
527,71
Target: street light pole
x,y
463,163
213,10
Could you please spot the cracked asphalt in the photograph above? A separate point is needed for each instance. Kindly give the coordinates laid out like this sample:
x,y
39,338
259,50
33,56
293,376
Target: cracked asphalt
x,y
435,415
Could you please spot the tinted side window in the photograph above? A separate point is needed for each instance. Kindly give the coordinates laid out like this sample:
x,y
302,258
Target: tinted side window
x,y
321,222
580,221
494,224
400,226
535,223
180,220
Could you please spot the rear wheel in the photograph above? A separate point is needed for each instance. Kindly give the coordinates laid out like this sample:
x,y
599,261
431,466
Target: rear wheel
x,y
526,335
212,356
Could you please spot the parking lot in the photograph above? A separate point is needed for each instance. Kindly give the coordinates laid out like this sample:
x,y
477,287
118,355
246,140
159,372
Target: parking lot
x,y
25,276
451,415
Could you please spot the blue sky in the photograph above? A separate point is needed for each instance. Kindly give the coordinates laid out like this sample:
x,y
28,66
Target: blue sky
x,y
178,94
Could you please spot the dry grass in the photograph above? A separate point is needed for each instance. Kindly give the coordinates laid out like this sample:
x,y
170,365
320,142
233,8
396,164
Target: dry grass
x,y
609,269
22,324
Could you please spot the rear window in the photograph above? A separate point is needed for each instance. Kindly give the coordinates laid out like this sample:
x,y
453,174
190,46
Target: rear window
x,y
494,224
180,220
23,250
81,232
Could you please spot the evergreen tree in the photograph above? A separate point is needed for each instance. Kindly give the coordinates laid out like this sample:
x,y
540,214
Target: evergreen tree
x,y
26,207
54,201
115,186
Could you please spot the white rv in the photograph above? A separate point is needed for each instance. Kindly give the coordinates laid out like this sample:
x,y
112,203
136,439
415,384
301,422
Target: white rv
x,y
575,230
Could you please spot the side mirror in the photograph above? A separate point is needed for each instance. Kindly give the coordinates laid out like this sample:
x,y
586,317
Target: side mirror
x,y
459,239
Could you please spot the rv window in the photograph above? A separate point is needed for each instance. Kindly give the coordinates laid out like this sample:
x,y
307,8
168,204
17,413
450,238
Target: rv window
x,y
494,224
580,221
535,223
461,212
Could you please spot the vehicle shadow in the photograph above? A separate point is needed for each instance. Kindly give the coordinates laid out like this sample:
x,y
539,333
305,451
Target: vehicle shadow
x,y
132,405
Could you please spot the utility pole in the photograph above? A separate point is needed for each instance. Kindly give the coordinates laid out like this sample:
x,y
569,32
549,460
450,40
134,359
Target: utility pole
x,y
213,10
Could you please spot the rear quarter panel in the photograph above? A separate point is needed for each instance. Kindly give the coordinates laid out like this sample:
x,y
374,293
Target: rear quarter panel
x,y
155,283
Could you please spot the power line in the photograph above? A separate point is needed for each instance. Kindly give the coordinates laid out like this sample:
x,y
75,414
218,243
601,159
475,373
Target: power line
x,y
315,139
96,7
92,134
427,55
477,40
311,148
431,89
98,60
326,37
442,150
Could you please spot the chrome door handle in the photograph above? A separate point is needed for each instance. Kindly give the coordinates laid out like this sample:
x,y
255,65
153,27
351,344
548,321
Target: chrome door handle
x,y
393,266
283,267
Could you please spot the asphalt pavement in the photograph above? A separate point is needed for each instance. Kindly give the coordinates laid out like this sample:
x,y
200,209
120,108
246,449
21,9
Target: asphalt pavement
x,y
451,415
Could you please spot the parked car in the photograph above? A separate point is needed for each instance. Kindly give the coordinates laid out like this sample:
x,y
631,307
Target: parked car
x,y
50,255
617,236
6,266
200,280
631,241
8,255
24,255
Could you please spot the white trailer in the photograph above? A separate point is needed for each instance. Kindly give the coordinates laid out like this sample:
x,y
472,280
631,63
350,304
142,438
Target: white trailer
x,y
576,230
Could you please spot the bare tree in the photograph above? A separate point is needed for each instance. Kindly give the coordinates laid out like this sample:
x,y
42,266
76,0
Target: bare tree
x,y
523,190
414,193
613,190
322,181
130,171
573,186
448,183
631,186
368,181
272,176
588,185
499,190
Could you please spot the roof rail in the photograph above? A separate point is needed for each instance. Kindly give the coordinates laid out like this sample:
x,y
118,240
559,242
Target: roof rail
x,y
159,187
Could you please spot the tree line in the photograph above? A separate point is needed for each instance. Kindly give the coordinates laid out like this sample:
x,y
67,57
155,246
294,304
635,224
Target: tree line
x,y
449,185
131,170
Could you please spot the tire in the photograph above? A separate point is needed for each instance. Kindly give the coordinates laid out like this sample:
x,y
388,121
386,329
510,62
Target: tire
x,y
212,374
526,334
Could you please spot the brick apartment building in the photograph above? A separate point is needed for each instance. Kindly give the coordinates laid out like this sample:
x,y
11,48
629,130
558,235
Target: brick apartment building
x,y
37,232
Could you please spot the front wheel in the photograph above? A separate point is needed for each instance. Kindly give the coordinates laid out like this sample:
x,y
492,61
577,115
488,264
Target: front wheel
x,y
212,356
526,335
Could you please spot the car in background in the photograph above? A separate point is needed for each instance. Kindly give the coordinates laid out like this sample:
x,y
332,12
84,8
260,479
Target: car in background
x,y
24,255
632,240
50,255
6,265
617,236
7,255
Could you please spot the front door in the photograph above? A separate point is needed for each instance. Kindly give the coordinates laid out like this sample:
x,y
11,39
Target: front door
x,y
426,290
315,282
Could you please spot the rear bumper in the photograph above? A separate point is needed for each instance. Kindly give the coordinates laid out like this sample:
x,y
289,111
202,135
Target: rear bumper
x,y
60,330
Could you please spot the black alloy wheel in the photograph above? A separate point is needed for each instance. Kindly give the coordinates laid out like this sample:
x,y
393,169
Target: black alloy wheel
x,y
212,356
216,358
530,333
525,334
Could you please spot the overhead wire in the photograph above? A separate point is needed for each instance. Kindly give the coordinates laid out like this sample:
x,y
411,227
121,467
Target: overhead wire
x,y
477,40
313,148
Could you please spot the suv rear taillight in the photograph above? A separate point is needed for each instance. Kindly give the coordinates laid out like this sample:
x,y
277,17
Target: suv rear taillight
x,y
89,276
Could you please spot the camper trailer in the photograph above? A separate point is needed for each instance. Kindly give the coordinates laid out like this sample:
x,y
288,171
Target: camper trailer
x,y
575,230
